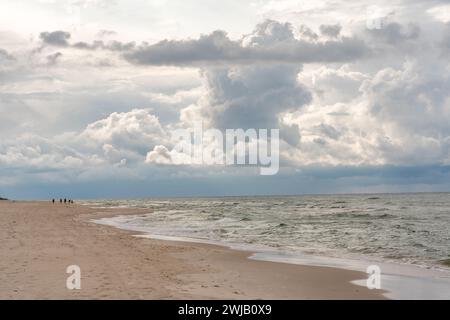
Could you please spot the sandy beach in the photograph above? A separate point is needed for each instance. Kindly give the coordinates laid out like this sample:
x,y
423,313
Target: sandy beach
x,y
40,240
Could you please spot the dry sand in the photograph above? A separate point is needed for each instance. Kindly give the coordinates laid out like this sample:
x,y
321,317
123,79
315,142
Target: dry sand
x,y
39,240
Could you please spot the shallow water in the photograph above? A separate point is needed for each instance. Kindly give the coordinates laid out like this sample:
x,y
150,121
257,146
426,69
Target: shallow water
x,y
405,228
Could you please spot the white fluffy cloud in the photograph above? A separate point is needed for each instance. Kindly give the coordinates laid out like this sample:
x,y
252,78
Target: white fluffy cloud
x,y
120,139
134,130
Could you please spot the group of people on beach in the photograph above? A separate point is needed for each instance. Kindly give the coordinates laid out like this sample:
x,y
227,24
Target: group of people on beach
x,y
63,200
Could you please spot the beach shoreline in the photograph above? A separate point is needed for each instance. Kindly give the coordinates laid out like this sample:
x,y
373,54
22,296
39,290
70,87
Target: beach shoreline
x,y
40,240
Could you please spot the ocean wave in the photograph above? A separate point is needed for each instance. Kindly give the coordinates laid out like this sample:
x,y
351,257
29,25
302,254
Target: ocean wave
x,y
400,227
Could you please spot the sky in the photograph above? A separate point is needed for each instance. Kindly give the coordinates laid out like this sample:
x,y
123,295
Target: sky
x,y
90,91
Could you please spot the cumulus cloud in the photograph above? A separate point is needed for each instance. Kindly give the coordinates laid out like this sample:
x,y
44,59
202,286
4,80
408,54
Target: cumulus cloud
x,y
38,153
120,139
110,45
271,41
248,97
331,30
394,33
52,59
159,155
61,39
136,131
332,85
413,104
5,56
56,38
253,96
396,116
307,33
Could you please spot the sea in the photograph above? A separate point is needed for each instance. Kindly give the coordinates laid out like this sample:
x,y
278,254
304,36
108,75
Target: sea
x,y
407,235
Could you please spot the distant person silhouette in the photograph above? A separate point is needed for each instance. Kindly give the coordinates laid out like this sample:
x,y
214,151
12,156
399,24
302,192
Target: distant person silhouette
x,y
65,200
60,200
53,201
